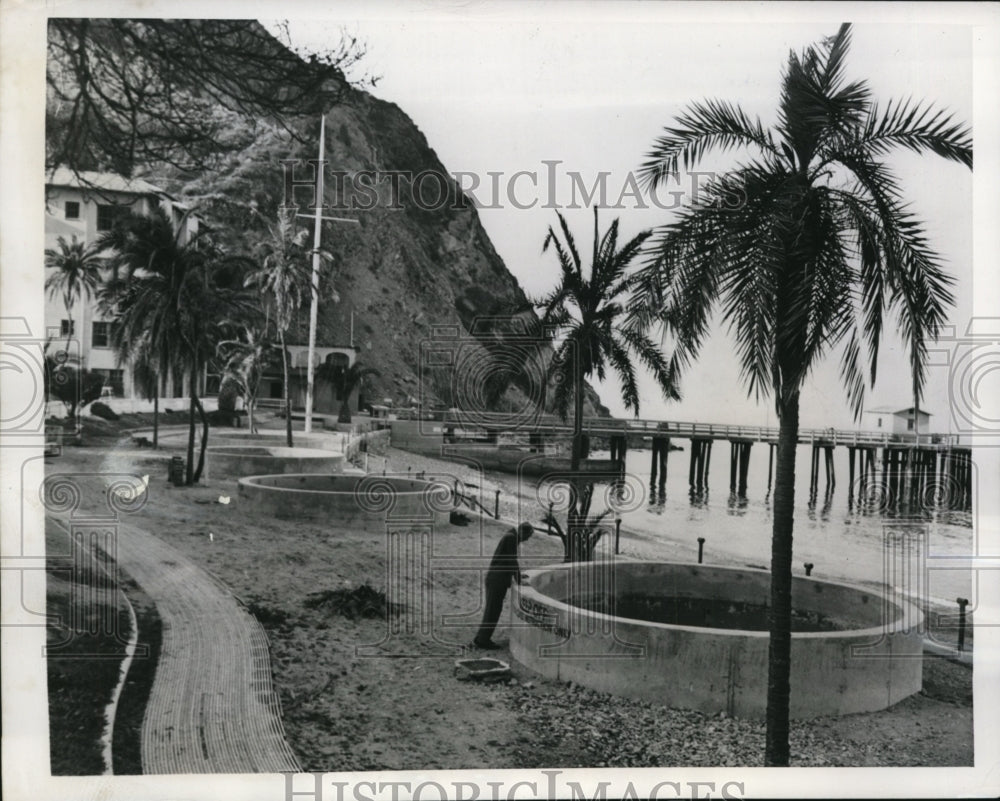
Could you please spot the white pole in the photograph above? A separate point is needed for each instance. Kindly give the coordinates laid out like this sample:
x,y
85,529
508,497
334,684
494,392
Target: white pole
x,y
310,368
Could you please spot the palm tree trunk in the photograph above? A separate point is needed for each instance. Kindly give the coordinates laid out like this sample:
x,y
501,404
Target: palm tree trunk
x,y
780,617
577,452
204,441
288,393
189,477
69,326
573,522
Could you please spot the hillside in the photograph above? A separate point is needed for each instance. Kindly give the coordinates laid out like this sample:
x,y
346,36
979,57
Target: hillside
x,y
416,275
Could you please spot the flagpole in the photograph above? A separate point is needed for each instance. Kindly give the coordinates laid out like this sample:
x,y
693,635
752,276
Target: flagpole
x,y
313,306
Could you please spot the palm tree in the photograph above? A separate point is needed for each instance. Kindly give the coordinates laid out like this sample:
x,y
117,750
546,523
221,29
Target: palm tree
x,y
284,275
350,379
805,247
145,375
245,360
77,274
586,308
132,344
176,294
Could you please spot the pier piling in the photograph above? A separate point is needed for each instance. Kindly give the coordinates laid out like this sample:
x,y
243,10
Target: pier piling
x,y
701,457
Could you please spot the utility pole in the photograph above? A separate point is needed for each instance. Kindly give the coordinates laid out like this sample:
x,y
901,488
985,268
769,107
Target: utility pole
x,y
314,304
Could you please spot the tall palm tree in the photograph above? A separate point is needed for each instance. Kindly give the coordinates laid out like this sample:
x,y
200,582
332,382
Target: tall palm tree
x,y
77,274
177,294
805,246
586,309
284,275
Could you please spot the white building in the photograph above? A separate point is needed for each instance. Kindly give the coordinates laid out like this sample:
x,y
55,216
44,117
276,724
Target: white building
x,y
84,206
900,421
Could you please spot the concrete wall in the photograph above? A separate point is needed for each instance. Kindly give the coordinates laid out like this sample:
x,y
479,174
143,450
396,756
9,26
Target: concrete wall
x,y
716,670
376,442
418,436
230,461
371,503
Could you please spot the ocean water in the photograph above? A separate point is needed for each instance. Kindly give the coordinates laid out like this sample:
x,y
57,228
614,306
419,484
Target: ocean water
x,y
867,540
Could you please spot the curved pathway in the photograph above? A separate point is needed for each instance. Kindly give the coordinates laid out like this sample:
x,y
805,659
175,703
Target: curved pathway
x,y
212,707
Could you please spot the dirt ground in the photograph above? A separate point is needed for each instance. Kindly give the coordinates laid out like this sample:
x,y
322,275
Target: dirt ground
x,y
377,694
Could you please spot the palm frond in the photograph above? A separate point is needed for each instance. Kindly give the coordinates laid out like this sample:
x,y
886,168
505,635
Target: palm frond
x,y
917,127
704,126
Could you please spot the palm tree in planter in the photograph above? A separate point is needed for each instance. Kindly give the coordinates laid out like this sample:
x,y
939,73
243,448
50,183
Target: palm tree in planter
x,y
586,310
350,380
284,276
76,274
180,294
805,247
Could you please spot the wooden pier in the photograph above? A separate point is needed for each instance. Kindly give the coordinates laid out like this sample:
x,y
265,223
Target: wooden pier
x,y
930,470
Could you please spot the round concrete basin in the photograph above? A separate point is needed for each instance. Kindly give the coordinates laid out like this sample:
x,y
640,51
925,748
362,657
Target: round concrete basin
x,y
236,461
695,637
372,502
235,437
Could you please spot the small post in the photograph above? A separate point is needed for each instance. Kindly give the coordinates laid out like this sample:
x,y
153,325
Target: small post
x,y
809,568
618,532
548,520
496,506
701,549
962,603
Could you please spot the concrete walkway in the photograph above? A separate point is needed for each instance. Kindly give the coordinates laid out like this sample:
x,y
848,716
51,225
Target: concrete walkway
x,y
213,707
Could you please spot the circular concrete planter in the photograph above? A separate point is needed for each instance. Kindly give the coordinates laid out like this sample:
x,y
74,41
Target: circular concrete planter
x,y
177,438
372,502
236,461
864,652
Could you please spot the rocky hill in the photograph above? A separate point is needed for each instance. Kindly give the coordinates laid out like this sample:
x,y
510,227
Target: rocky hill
x,y
417,271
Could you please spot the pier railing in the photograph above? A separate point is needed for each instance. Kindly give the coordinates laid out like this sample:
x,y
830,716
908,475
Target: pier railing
x,y
604,426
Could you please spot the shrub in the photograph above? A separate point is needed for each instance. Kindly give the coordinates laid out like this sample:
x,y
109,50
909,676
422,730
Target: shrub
x,y
103,411
229,392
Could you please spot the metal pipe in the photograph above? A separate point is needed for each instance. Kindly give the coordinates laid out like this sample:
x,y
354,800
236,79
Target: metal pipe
x,y
962,603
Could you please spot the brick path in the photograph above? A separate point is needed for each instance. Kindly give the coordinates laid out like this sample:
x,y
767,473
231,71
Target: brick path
x,y
212,708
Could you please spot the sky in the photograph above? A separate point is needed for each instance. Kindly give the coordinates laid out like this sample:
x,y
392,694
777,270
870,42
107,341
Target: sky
x,y
537,89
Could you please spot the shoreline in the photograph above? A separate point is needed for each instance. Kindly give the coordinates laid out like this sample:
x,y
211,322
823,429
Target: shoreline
x,y
398,459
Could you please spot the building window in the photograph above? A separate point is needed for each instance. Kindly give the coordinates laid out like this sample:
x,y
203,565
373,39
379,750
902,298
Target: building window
x,y
107,216
67,328
102,334
909,424
880,422
72,210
